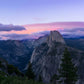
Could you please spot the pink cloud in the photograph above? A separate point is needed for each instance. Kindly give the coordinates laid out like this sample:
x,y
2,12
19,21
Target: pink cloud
x,y
33,28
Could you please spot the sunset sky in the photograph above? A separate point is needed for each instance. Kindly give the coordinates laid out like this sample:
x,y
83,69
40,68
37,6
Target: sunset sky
x,y
34,16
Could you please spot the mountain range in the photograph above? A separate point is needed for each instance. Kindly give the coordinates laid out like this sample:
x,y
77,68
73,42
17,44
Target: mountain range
x,y
46,57
44,53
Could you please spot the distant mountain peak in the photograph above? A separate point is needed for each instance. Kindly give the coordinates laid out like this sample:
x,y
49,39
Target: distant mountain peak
x,y
55,36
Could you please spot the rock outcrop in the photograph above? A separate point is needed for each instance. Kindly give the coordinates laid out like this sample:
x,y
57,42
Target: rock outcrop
x,y
40,40
55,36
46,58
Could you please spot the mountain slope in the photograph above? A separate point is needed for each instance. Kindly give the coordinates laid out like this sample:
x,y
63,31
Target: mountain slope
x,y
15,52
46,58
75,43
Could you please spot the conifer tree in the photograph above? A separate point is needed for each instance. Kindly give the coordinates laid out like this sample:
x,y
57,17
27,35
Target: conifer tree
x,y
30,73
68,71
54,79
40,78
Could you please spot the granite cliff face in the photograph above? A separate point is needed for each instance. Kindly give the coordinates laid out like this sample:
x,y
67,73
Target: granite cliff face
x,y
46,58
55,36
40,40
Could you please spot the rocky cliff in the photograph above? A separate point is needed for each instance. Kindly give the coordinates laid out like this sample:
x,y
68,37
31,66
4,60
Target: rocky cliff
x,y
55,36
46,58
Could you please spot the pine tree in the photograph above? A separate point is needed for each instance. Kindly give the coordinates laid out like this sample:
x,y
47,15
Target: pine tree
x,y
40,78
67,71
54,79
30,73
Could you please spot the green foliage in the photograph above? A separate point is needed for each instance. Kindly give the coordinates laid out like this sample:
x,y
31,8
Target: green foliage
x,y
2,76
1,66
30,73
40,78
67,70
16,80
2,73
11,69
54,79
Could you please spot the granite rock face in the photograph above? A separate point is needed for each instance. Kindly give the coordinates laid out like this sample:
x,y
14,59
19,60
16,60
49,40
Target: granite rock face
x,y
46,58
55,36
40,40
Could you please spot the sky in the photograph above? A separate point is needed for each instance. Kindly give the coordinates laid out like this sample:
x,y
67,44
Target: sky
x,y
19,18
20,12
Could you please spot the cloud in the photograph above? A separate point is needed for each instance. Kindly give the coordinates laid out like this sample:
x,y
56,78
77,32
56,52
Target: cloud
x,y
20,36
37,30
33,28
16,36
73,30
10,28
